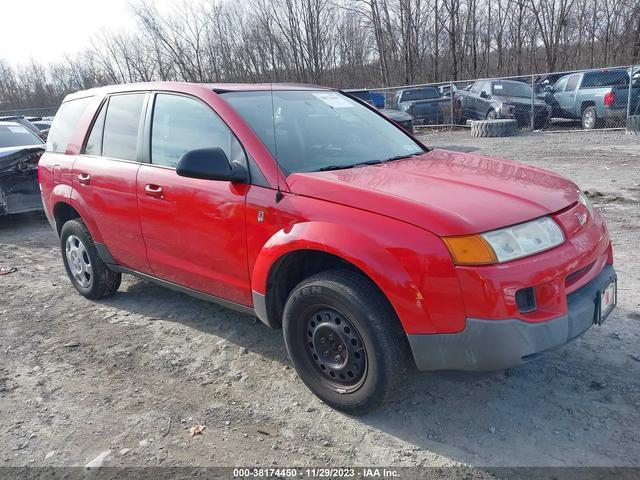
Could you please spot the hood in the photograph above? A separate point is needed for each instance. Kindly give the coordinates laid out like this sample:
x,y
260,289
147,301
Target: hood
x,y
517,100
447,193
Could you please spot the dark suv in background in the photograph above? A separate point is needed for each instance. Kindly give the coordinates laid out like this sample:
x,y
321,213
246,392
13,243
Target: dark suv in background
x,y
493,99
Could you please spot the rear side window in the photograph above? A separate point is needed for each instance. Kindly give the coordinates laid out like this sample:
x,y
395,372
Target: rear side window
x,y
94,143
572,83
121,126
65,123
181,124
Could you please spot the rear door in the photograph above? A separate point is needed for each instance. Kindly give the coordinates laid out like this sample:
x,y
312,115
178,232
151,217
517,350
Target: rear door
x,y
194,229
104,177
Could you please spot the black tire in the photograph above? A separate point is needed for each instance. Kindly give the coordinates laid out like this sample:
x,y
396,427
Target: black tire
x,y
343,308
633,125
493,128
590,118
101,282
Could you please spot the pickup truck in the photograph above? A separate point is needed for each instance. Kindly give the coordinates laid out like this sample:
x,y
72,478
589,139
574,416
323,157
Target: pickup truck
x,y
424,104
596,97
494,99
313,212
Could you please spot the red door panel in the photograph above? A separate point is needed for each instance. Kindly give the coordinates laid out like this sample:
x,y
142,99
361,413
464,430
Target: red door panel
x,y
108,187
195,232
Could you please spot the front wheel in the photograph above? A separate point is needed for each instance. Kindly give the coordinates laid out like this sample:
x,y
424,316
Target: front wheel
x,y
345,340
87,272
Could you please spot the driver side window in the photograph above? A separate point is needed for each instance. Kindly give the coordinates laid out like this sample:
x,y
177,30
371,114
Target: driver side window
x,y
181,124
559,86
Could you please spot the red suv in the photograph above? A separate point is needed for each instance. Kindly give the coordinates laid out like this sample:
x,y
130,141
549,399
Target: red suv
x,y
310,210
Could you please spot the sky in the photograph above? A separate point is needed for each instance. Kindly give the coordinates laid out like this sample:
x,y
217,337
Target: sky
x,y
47,29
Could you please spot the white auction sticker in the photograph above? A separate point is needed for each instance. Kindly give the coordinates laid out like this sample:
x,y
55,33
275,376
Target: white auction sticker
x,y
333,100
17,129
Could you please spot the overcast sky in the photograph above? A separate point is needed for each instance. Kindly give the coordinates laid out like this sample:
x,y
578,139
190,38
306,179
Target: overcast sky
x,y
47,29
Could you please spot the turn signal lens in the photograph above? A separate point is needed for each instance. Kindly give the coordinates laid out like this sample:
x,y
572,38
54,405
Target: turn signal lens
x,y
470,250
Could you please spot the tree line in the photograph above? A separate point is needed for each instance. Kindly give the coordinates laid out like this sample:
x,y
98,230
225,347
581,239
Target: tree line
x,y
342,43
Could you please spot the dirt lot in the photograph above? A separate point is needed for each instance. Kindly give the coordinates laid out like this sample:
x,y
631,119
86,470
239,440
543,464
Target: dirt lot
x,y
130,375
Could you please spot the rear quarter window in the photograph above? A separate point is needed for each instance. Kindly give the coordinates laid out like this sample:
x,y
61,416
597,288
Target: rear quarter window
x,y
65,123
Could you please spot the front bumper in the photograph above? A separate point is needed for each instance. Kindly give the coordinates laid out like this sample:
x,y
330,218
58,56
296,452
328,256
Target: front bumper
x,y
487,345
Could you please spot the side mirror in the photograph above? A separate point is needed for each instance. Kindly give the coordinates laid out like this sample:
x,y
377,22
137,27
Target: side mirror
x,y
549,89
484,95
210,164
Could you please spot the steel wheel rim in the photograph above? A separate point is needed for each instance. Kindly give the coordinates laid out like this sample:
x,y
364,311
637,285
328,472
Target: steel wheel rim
x,y
335,349
589,120
78,261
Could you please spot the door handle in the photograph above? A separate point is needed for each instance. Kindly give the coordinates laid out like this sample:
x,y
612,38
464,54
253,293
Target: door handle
x,y
84,178
153,190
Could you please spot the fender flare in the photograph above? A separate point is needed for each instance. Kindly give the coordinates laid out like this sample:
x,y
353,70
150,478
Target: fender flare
x,y
352,246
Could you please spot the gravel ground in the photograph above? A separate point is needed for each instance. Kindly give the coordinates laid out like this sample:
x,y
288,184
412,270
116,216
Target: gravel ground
x,y
121,381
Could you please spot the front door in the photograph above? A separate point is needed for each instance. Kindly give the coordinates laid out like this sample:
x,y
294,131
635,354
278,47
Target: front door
x,y
194,229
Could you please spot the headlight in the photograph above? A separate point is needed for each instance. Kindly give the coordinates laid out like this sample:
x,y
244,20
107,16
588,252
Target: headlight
x,y
505,244
584,200
507,109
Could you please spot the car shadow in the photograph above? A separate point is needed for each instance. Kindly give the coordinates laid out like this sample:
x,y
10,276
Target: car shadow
x,y
554,411
156,302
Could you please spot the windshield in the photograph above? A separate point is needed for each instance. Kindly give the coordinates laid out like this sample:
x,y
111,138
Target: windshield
x,y
511,89
420,94
17,136
320,130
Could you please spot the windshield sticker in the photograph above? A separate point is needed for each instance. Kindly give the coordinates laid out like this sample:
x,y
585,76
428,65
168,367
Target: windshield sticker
x,y
18,129
333,100
497,86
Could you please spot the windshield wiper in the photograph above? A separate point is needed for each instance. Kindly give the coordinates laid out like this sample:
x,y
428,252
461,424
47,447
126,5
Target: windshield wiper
x,y
340,167
399,157
368,162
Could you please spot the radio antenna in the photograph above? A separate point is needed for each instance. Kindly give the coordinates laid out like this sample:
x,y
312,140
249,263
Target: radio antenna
x,y
279,194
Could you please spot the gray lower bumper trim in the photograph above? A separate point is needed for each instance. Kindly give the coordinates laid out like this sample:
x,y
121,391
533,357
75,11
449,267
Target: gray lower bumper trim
x,y
487,345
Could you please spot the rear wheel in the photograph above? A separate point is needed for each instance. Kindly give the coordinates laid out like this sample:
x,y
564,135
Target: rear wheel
x,y
345,341
87,272
589,118
491,115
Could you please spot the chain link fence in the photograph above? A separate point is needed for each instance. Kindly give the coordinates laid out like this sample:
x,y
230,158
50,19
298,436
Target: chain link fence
x,y
574,100
36,113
